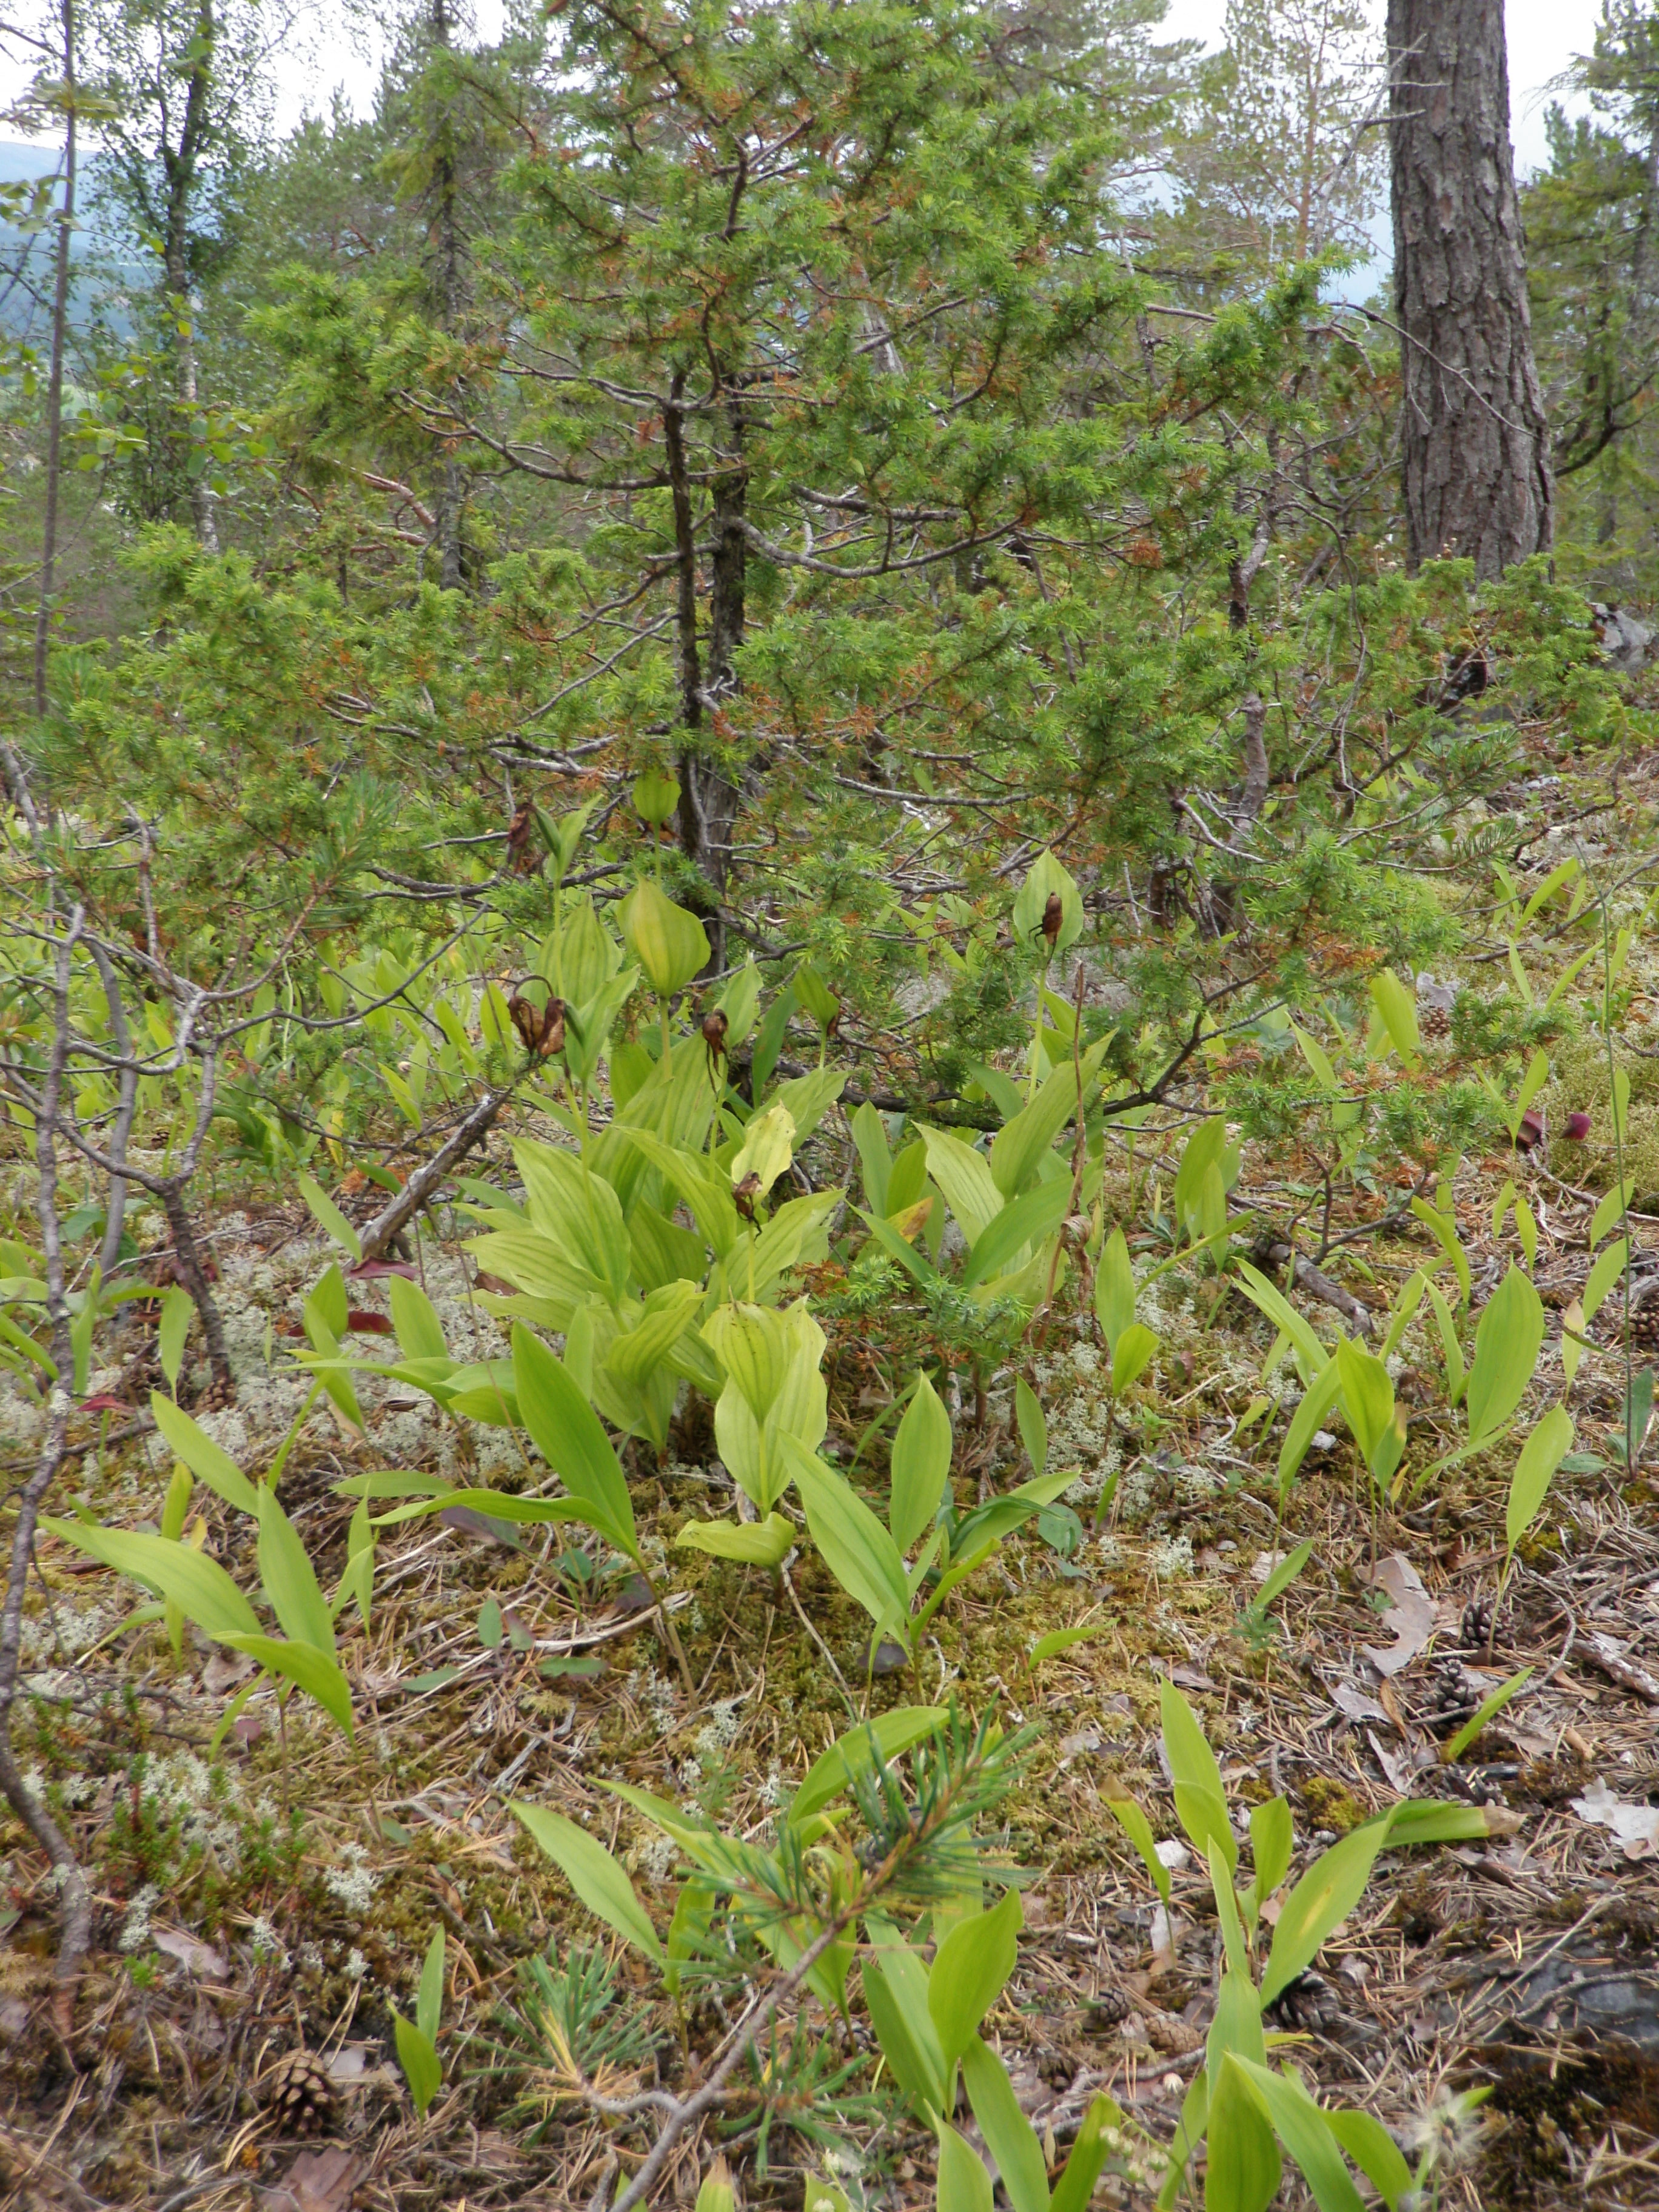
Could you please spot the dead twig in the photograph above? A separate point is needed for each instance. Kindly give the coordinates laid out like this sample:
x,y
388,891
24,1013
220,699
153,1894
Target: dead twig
x,y
76,1901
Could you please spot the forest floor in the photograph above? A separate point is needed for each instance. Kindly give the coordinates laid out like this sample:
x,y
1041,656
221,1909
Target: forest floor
x,y
276,1900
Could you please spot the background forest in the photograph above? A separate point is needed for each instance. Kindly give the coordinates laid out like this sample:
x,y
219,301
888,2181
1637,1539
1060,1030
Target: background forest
x,y
830,1131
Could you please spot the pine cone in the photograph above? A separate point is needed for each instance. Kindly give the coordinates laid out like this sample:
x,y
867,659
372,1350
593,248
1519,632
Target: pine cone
x,y
1111,2008
1306,2006
1645,1328
1474,1631
1450,1702
1167,2032
297,2090
1433,1023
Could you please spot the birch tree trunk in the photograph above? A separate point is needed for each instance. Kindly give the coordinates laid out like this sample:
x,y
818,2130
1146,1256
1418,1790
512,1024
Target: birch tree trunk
x,y
181,168
55,384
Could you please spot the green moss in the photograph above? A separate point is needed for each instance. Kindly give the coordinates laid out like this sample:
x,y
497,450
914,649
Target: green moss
x,y
1330,1805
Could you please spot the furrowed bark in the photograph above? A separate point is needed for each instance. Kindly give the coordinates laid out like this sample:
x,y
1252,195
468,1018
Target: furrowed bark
x,y
1474,443
192,1277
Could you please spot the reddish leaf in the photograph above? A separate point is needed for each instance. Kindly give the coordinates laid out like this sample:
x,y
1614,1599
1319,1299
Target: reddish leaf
x,y
104,1404
367,1270
369,1324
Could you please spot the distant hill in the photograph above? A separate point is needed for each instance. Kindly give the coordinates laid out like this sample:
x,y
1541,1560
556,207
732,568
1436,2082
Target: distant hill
x,y
25,261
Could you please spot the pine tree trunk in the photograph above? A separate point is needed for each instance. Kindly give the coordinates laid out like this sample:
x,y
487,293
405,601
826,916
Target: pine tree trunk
x,y
1475,444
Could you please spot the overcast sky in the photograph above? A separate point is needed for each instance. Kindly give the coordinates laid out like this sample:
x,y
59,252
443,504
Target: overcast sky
x,y
1543,36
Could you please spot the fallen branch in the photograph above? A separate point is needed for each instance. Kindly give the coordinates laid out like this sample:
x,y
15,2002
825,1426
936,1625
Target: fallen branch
x,y
1603,1654
1319,1284
424,1182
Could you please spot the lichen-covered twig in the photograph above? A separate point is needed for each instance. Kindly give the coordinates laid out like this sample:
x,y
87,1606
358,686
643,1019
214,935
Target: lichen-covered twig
x,y
74,1897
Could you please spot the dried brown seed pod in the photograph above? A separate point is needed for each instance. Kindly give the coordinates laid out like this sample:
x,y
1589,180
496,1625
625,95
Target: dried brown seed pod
x,y
521,851
541,1027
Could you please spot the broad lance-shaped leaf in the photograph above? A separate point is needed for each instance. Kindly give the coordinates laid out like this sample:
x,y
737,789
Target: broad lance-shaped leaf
x,y
807,1098
1102,2124
1300,2126
1206,1148
1272,1840
565,1430
885,1736
669,944
330,1217
1046,879
969,1969
429,1997
1115,1289
289,1578
636,1354
1242,2169
766,1149
315,1672
1374,2151
1317,1399
963,2183
420,1332
422,2069
1327,1893
857,1550
875,1155
1397,1009
1506,1345
1017,1150
997,1518
594,1874
920,1465
1061,1639
1311,1355
1200,1798
754,1345
1009,2135
1131,1355
1028,1219
964,1176
1032,1425
750,1543
1542,1453
208,1462
1609,1267
499,1504
1367,1396
199,1586
1139,1829
177,1307
896,1997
